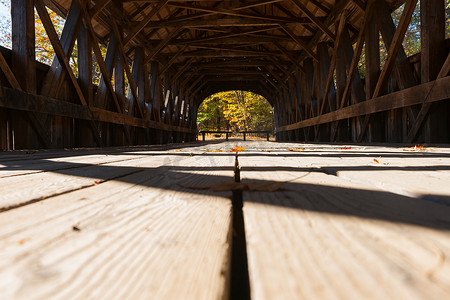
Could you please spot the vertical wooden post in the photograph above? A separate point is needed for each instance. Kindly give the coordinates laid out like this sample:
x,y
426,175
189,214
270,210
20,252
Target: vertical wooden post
x,y
343,133
404,74
357,91
372,55
23,64
432,21
309,83
324,66
82,129
23,40
120,132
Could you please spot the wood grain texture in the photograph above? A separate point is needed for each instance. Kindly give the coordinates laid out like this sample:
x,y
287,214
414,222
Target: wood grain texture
x,y
324,236
140,236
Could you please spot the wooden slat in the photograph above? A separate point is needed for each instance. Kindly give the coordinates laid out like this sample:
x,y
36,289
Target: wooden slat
x,y
139,236
38,163
61,180
324,236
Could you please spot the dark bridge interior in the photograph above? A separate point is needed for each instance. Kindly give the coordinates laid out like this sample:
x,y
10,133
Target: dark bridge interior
x,y
164,57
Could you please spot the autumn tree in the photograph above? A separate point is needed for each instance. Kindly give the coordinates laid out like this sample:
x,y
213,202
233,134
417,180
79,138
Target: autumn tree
x,y
235,110
43,47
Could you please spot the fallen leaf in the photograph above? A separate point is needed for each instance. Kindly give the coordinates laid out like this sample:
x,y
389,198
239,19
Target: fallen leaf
x,y
417,148
237,149
213,150
376,160
97,182
76,228
190,155
297,149
345,148
177,150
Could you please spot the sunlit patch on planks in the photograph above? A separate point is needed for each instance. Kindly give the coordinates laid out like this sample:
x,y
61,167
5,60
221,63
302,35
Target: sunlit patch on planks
x,y
345,221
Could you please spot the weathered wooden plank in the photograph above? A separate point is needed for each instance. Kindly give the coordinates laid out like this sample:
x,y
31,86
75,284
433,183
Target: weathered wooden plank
x,y
50,163
64,179
321,227
140,236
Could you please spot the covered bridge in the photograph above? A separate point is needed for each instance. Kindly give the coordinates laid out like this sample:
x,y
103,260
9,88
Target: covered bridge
x,y
317,220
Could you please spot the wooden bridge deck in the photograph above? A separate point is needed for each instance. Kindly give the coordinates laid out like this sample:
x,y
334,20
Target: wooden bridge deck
x,y
348,222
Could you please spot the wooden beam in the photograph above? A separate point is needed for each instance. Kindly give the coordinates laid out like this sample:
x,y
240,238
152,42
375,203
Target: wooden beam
x,y
55,76
392,56
314,19
162,44
98,7
85,64
225,53
126,66
432,57
37,125
356,56
339,31
173,59
184,68
330,19
404,72
372,61
432,91
241,6
18,100
426,105
23,40
288,55
228,21
302,44
144,22
8,73
59,51
395,46
230,12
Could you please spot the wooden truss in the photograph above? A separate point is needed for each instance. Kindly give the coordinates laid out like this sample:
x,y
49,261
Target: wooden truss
x,y
163,58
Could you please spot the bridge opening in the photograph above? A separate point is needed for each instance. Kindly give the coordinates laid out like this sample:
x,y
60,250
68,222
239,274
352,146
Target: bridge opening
x,y
235,111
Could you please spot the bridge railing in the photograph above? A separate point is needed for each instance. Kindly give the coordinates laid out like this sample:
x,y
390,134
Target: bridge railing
x,y
227,133
204,132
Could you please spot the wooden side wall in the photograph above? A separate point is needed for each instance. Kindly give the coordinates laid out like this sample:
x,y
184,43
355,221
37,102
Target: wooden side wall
x,y
54,107
404,101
